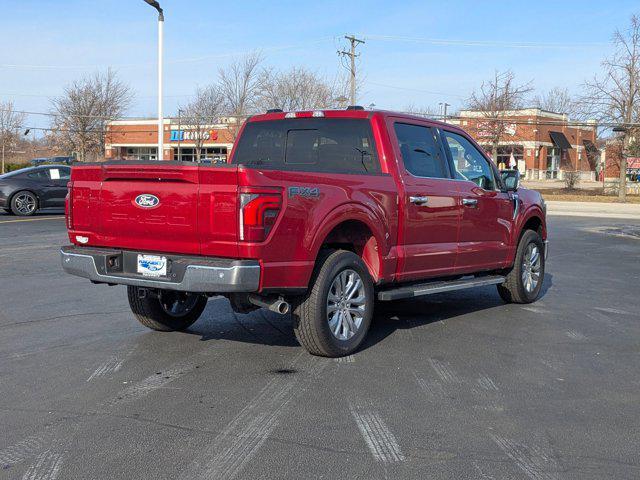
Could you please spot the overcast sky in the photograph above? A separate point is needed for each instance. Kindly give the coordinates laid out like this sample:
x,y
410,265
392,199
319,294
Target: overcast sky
x,y
416,52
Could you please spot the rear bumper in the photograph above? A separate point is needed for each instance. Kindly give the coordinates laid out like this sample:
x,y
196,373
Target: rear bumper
x,y
184,273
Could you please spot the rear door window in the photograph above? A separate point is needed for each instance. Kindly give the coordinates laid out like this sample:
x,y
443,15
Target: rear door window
x,y
317,145
421,152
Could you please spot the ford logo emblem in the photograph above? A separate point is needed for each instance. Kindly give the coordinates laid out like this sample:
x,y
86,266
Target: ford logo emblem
x,y
146,200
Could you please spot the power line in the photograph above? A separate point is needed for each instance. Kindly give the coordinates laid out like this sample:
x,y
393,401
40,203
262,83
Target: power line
x,y
483,43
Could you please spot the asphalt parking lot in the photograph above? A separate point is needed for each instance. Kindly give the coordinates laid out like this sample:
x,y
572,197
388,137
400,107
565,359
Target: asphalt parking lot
x,y
453,386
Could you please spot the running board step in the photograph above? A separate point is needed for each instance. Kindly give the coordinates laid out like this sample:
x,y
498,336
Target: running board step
x,y
438,287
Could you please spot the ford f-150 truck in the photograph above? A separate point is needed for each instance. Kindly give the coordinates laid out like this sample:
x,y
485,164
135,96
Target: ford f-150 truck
x,y
321,213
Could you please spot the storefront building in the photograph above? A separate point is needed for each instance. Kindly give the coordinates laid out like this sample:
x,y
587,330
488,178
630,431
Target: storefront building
x,y
138,140
544,144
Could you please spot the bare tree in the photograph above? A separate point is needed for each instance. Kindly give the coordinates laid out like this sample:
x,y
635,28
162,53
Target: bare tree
x,y
198,116
296,89
10,124
557,100
238,85
82,112
614,96
422,111
494,99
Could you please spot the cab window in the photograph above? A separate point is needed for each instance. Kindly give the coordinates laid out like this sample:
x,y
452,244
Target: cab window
x,y
420,151
467,161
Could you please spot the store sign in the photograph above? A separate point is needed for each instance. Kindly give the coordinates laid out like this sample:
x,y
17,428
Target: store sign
x,y
187,135
490,129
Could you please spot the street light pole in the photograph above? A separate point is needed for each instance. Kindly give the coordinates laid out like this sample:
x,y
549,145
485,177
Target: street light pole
x,y
156,5
179,134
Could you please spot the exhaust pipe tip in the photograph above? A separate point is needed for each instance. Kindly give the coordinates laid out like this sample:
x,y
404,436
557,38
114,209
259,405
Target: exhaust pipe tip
x,y
278,305
282,307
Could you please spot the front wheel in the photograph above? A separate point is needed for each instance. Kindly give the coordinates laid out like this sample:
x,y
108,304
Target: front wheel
x,y
524,281
334,318
168,310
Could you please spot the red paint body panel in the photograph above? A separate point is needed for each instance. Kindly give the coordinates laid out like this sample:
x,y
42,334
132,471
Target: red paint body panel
x,y
199,213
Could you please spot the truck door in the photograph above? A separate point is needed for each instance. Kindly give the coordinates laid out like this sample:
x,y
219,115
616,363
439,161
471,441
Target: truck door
x,y
428,210
486,213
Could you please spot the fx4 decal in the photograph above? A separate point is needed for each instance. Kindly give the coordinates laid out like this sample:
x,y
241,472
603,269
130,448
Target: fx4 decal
x,y
307,192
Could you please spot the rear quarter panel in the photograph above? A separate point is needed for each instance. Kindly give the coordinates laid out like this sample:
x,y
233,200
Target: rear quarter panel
x,y
289,253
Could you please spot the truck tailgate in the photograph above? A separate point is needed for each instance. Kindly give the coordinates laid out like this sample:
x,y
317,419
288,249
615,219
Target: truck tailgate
x,y
158,208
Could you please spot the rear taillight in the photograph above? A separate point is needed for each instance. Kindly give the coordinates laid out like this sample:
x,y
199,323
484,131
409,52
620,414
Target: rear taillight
x,y
258,214
68,206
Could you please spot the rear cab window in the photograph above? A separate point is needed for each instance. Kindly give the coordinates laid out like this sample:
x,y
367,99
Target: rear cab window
x,y
327,145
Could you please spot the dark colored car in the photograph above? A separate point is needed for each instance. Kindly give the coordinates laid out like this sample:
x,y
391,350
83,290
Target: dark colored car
x,y
52,160
24,192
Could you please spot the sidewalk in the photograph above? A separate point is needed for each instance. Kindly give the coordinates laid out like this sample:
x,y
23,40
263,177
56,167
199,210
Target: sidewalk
x,y
593,209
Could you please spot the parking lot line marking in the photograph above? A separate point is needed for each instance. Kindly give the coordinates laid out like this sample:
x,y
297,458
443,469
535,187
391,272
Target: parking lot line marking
x,y
31,220
47,467
531,460
241,439
151,383
444,371
33,445
380,440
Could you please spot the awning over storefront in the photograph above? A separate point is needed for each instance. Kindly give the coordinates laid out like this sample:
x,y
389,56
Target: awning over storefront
x,y
559,140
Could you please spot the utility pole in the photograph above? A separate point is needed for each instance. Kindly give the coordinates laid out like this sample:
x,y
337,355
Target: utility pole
x,y
443,110
352,57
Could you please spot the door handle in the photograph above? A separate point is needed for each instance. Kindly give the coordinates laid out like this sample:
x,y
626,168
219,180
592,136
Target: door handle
x,y
470,202
419,200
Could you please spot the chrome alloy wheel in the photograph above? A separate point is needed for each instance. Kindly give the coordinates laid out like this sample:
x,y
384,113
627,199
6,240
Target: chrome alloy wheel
x,y
346,303
177,304
25,203
531,267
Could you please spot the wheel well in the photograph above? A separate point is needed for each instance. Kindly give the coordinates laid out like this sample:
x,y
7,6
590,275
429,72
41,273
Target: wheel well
x,y
10,198
535,224
356,237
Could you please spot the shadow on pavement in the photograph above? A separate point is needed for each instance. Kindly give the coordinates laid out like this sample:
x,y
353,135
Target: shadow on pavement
x,y
219,322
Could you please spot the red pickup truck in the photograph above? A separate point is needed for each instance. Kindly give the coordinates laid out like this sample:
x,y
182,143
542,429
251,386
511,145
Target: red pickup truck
x,y
320,213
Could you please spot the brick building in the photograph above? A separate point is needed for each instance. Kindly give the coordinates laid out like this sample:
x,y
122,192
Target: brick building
x,y
545,144
138,140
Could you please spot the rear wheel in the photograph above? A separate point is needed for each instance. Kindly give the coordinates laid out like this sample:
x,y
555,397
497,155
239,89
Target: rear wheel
x,y
333,319
166,311
524,281
24,204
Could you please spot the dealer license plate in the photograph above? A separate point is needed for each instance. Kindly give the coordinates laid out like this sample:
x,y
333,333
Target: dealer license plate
x,y
152,265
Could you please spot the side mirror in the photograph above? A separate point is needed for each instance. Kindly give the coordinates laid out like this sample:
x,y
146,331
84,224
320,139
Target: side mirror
x,y
510,180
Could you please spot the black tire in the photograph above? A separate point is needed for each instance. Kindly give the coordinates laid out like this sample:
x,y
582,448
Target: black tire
x,y
513,289
310,315
24,203
152,311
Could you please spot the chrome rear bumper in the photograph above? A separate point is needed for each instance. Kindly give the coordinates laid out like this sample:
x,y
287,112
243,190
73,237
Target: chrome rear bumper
x,y
185,273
